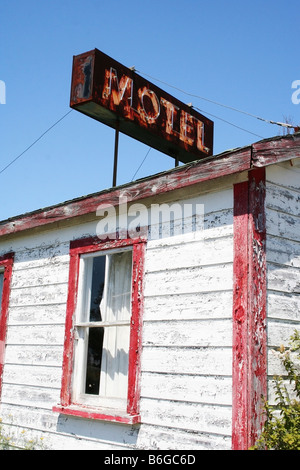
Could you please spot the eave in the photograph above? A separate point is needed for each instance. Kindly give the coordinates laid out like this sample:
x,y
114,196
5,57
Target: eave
x,y
263,153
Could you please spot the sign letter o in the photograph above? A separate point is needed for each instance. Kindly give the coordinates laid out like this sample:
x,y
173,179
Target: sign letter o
x,y
155,112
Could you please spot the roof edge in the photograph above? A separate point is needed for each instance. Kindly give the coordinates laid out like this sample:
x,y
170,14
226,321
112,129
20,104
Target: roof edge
x,y
263,153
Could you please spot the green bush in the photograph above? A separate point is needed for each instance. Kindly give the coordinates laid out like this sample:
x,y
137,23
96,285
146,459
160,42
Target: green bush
x,y
282,425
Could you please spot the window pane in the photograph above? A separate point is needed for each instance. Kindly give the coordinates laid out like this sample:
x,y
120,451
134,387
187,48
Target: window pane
x,y
119,287
109,278
1,287
97,288
114,368
94,356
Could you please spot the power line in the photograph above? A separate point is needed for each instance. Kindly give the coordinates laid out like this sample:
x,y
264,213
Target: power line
x,y
213,115
227,122
141,163
282,124
33,143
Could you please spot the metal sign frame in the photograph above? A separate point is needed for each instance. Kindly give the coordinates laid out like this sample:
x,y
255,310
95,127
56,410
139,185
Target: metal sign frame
x,y
115,95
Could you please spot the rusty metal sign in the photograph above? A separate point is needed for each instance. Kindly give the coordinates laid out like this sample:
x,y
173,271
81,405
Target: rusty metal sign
x,y
115,95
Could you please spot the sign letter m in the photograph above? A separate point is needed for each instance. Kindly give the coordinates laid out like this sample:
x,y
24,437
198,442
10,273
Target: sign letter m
x,y
2,92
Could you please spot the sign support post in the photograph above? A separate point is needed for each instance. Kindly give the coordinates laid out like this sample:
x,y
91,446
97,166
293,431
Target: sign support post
x,y
116,154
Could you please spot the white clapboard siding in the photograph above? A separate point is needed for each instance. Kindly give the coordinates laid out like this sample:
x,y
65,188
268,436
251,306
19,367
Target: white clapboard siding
x,y
281,198
187,338
39,295
52,314
190,280
187,332
187,388
283,252
283,261
185,254
198,361
33,355
39,276
35,335
283,306
37,376
279,332
34,343
199,305
285,226
284,279
169,438
192,333
190,416
30,396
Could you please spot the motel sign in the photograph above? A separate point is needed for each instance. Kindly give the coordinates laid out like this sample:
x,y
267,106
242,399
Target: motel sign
x,y
115,95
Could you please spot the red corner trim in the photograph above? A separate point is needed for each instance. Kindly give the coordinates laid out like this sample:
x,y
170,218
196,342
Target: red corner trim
x,y
249,310
6,262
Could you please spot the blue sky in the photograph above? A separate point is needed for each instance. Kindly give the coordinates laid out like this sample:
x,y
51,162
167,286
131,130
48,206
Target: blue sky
x,y
240,54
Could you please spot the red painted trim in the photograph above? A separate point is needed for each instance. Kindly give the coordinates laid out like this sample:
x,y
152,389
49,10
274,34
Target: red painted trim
x,y
135,347
257,302
90,245
260,154
67,366
86,414
240,317
6,262
249,310
276,149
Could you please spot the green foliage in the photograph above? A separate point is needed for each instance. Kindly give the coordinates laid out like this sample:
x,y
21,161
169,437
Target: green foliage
x,y
282,426
10,442
4,439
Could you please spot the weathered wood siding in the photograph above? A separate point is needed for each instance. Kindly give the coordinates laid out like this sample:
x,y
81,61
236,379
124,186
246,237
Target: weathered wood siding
x,y
283,258
187,337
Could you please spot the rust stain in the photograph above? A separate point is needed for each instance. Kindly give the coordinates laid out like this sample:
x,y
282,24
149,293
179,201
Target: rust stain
x,y
142,110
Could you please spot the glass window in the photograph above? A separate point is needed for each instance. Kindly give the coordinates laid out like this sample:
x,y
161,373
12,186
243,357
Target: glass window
x,y
103,329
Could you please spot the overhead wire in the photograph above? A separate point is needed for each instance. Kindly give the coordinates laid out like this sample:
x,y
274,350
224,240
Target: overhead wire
x,y
282,124
195,107
210,114
33,143
141,163
227,122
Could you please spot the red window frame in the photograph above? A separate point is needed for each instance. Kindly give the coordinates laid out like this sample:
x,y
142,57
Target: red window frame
x,y
93,245
6,262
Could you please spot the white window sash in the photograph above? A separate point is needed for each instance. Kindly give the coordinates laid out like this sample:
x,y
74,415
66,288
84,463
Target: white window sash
x,y
115,352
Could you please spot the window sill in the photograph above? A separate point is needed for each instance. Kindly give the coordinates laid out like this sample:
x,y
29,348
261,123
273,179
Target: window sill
x,y
90,413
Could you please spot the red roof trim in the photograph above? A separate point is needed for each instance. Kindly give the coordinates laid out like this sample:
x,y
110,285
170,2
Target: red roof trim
x,y
260,154
181,177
